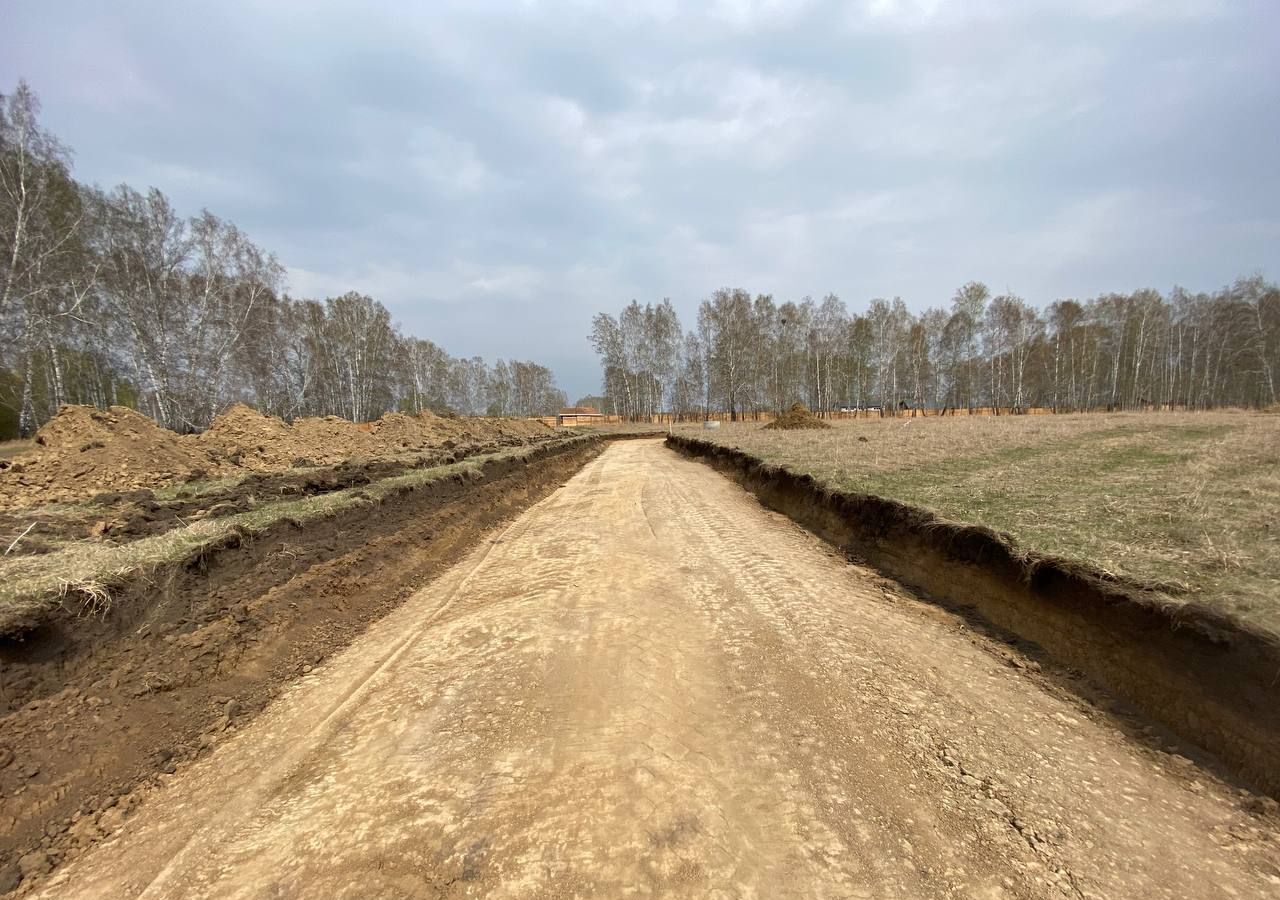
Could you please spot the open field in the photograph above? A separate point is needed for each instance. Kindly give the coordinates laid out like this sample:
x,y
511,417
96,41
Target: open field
x,y
1187,503
641,664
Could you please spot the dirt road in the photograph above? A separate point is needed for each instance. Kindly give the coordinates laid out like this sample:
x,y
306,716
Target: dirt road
x,y
649,686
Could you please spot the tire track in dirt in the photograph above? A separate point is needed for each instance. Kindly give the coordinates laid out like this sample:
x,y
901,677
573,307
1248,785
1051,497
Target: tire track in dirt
x,y
783,675
649,686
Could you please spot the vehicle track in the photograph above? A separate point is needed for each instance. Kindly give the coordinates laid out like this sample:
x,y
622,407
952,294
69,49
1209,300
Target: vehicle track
x,y
650,686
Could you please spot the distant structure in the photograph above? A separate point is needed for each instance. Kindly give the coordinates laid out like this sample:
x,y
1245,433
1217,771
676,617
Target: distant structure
x,y
570,416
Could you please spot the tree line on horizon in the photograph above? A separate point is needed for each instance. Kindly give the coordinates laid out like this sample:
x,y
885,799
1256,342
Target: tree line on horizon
x,y
113,298
748,355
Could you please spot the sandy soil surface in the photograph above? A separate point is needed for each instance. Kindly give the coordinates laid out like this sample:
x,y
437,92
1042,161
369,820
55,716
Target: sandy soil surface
x,y
649,686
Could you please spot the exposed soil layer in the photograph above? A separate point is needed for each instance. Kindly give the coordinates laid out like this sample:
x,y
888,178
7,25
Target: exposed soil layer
x,y
1208,678
84,451
92,708
797,418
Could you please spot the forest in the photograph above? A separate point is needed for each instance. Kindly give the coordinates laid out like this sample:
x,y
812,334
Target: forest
x,y
1142,350
115,298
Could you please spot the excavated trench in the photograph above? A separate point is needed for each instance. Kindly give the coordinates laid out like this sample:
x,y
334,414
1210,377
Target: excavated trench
x,y
93,707
1209,679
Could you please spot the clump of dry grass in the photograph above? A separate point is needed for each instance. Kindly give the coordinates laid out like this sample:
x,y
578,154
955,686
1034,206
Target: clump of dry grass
x,y
1187,503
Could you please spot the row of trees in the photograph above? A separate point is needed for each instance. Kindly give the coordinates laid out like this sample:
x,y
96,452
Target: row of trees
x,y
748,354
115,298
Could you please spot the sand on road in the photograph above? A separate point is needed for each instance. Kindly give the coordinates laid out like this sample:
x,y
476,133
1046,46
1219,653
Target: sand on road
x,y
647,685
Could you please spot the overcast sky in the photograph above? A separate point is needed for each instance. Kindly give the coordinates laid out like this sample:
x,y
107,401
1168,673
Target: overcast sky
x,y
497,173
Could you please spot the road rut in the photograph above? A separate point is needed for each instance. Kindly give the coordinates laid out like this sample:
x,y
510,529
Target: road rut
x,y
647,685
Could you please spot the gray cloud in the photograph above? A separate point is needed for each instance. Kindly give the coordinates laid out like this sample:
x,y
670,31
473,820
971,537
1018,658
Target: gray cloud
x,y
497,173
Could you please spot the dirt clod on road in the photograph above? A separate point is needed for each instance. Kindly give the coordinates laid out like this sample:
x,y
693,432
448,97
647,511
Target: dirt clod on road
x,y
647,685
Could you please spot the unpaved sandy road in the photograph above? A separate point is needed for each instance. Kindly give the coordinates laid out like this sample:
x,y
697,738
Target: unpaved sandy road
x,y
649,686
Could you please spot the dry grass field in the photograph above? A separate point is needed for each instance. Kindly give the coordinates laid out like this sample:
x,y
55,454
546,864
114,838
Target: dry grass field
x,y
1186,502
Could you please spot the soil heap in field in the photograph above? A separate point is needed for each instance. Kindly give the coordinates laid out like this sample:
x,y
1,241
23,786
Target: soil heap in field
x,y
83,451
249,439
329,439
523,429
245,437
797,418
403,433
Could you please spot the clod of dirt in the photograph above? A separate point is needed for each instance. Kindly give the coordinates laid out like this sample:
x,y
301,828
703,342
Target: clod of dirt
x,y
36,862
797,418
10,878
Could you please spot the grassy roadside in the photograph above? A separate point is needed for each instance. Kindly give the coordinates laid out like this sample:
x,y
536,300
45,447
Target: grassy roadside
x,y
1186,503
87,572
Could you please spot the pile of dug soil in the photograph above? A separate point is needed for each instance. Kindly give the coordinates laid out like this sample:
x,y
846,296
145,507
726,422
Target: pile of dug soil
x,y
83,450
330,439
402,433
797,418
517,429
245,437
